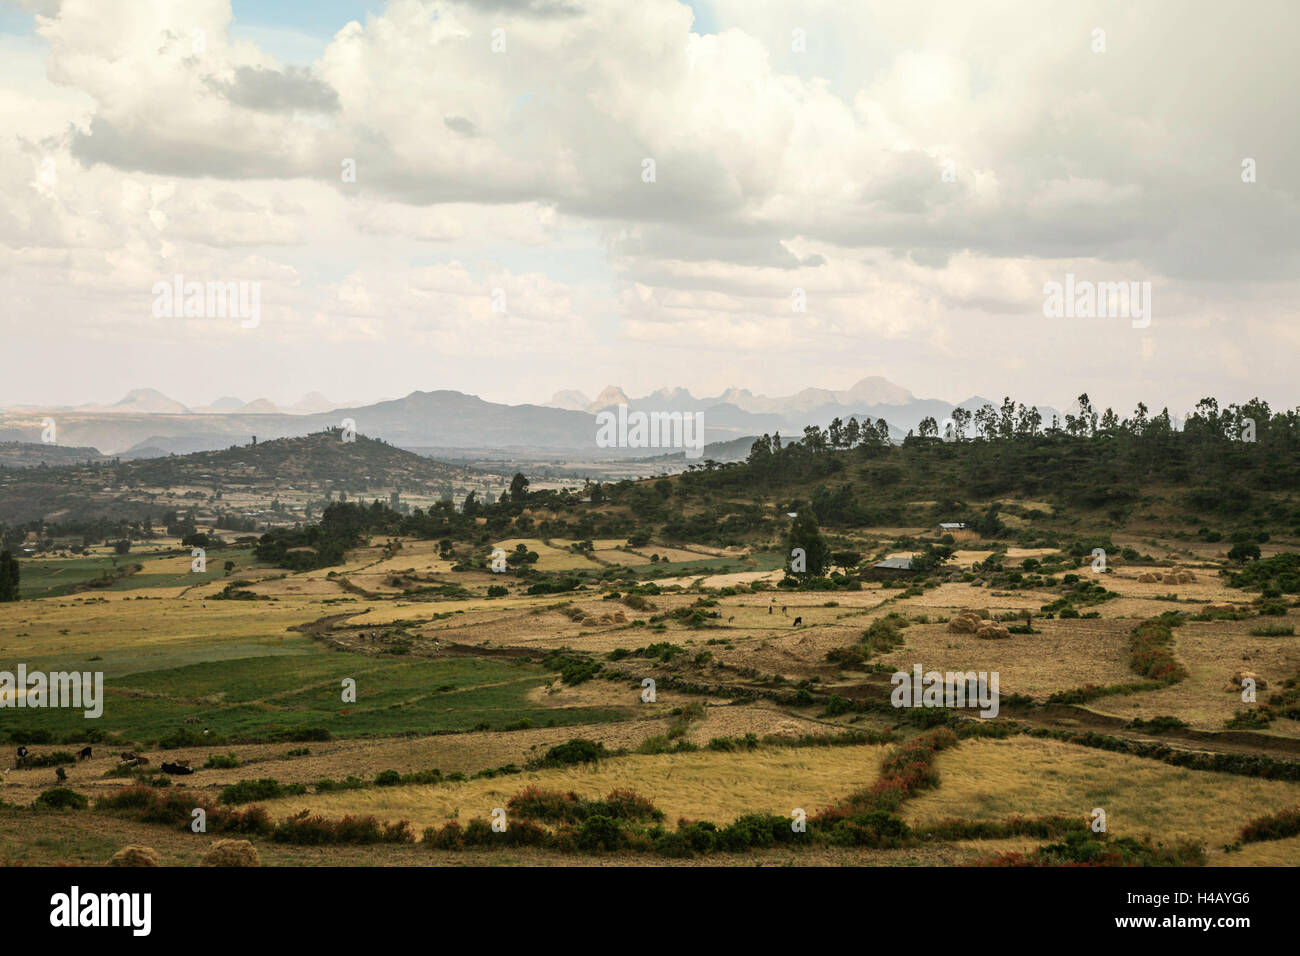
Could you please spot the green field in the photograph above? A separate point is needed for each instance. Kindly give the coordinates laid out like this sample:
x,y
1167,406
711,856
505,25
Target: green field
x,y
265,697
58,577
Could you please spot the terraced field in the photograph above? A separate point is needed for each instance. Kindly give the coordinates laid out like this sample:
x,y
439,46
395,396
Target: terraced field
x,y
349,687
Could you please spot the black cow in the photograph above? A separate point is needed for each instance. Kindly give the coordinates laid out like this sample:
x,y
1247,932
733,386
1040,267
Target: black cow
x,y
798,621
60,774
176,769
769,609
83,753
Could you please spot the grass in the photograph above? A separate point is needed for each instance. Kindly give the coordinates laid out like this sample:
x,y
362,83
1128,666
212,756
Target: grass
x,y
57,577
259,697
995,779
704,785
239,669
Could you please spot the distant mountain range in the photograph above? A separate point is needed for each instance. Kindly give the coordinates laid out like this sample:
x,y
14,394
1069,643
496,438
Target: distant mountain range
x,y
738,411
150,401
147,423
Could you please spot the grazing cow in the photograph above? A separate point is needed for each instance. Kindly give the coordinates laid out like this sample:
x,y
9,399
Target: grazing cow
x,y
769,609
730,619
176,769
83,753
60,774
798,621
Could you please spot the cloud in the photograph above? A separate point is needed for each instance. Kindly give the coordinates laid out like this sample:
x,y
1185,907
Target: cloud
x,y
272,91
919,171
458,124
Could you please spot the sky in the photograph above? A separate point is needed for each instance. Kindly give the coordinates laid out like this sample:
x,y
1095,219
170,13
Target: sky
x,y
430,194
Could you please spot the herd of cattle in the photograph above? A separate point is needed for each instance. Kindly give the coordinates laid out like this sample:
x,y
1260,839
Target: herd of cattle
x,y
128,758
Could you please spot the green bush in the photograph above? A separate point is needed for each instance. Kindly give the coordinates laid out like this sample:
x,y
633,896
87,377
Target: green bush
x,y
600,833
576,751
246,791
60,798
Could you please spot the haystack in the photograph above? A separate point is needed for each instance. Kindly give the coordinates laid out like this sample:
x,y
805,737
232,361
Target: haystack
x,y
1241,676
992,632
134,855
1180,576
232,853
968,621
1149,578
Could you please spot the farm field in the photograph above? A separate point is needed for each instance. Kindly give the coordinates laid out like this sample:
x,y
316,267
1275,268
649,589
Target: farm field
x,y
464,701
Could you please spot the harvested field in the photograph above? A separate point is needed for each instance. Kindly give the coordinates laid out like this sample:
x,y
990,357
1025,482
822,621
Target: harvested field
x,y
707,785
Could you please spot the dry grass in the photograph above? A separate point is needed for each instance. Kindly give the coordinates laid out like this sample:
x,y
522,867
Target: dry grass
x,y
994,779
1067,654
705,785
1212,652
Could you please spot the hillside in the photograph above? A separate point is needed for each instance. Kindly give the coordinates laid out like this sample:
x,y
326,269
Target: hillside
x,y
246,479
23,454
319,458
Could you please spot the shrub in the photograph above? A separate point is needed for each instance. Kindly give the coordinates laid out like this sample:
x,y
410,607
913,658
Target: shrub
x,y
305,829
1277,826
54,759
185,737
1273,630
60,798
576,751
246,791
838,705
600,833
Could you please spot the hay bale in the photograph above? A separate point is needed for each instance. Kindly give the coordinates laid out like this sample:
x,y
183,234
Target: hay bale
x,y
232,853
993,632
134,855
1148,578
1235,684
620,617
965,623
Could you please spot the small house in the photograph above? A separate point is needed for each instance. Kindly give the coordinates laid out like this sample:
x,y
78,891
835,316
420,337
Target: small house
x,y
889,569
957,529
